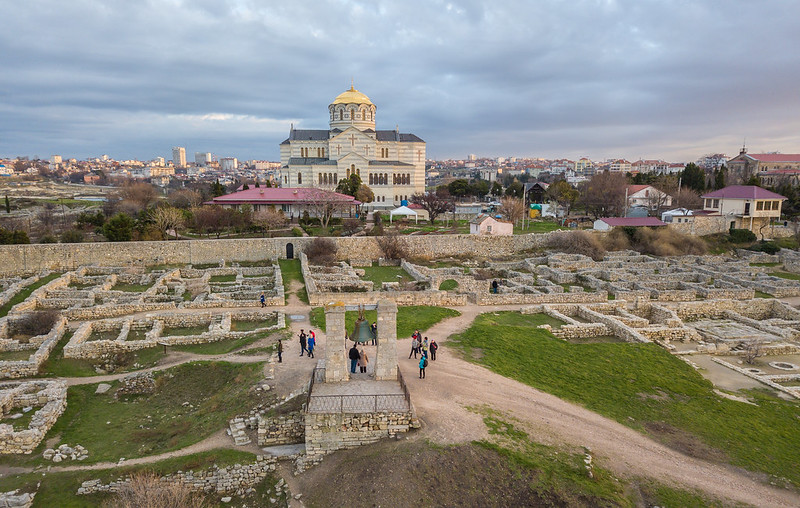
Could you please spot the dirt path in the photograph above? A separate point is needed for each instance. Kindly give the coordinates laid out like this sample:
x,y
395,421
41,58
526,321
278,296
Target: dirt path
x,y
453,384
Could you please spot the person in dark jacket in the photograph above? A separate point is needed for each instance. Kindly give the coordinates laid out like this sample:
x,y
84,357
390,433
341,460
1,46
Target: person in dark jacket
x,y
433,346
423,362
280,351
354,357
303,347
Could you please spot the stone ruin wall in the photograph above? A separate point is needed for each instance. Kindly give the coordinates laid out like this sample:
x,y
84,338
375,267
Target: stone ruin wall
x,y
328,432
51,395
234,479
11,369
283,429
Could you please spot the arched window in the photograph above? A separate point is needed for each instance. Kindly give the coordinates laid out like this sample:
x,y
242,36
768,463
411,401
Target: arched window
x,y
385,179
341,113
320,178
370,179
335,178
358,171
325,178
348,172
408,178
299,178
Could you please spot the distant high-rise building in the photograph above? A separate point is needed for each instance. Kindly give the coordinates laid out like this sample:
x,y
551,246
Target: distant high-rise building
x,y
202,158
55,159
472,157
228,164
179,156
158,161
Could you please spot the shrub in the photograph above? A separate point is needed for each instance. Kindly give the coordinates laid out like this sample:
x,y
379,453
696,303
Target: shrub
x,y
350,226
72,236
765,247
742,236
376,230
321,251
393,246
377,218
146,490
48,238
654,241
36,323
297,231
576,242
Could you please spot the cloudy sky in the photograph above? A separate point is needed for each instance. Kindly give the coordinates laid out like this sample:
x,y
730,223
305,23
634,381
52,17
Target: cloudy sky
x,y
547,78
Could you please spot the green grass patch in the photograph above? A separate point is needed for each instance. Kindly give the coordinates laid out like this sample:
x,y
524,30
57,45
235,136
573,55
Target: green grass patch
x,y
518,319
131,288
290,271
164,267
140,425
103,335
381,274
448,285
647,388
185,330
415,317
57,365
765,264
25,292
761,294
222,278
22,422
537,227
14,356
786,275
219,347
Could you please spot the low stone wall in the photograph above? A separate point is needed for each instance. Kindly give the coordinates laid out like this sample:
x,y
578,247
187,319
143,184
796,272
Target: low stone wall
x,y
283,429
234,479
30,367
12,290
328,432
525,298
14,499
757,377
51,395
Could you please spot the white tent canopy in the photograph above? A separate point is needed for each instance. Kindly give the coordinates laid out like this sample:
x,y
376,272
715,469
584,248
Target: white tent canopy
x,y
403,210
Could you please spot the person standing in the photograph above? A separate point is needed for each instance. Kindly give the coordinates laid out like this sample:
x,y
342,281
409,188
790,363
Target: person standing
x,y
280,351
433,347
424,347
414,347
354,357
263,301
303,347
363,360
423,362
312,341
374,330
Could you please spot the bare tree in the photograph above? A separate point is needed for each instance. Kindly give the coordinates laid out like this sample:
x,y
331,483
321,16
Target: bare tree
x,y
688,198
147,490
393,246
269,219
324,204
753,349
140,193
208,219
604,194
167,218
433,203
665,188
512,209
184,198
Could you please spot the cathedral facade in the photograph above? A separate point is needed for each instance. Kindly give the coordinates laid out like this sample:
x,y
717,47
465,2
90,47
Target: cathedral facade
x,y
391,163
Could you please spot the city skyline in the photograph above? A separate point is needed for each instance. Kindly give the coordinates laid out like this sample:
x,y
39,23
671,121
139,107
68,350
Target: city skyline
x,y
603,79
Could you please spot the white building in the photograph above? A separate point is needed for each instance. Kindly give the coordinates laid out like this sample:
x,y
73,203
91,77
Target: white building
x,y
179,156
202,158
228,164
391,163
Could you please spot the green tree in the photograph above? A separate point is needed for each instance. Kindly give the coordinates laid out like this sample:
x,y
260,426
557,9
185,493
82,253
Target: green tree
x,y
753,180
515,190
564,194
720,176
480,188
217,189
459,188
694,177
119,228
245,186
497,189
257,184
349,185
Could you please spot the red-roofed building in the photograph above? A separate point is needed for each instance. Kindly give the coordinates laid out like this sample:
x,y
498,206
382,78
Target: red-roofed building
x,y
648,197
609,223
293,201
744,206
745,165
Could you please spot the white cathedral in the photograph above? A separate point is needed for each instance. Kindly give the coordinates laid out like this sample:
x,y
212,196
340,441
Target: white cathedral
x,y
390,163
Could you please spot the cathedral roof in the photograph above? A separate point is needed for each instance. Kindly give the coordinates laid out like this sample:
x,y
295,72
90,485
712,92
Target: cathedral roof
x,y
308,161
389,163
397,136
323,135
352,96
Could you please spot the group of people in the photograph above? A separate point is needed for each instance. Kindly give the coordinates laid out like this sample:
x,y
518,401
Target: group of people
x,y
307,342
420,346
358,358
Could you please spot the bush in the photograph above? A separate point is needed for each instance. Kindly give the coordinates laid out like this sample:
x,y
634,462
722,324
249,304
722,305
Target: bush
x,y
36,323
765,247
350,226
576,242
377,218
48,238
393,246
297,231
321,251
654,241
72,236
146,490
376,231
742,236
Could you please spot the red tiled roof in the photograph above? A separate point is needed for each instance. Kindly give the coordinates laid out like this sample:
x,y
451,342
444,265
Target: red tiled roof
x,y
283,195
633,189
632,221
742,192
775,157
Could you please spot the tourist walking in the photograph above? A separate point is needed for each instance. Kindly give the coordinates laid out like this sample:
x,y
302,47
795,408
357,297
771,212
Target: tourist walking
x,y
303,338
354,357
280,351
374,330
363,360
414,347
423,362
425,347
263,300
312,341
433,346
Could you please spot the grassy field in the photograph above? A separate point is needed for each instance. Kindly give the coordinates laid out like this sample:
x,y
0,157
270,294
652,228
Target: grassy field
x,y
221,347
448,285
415,317
645,387
26,292
290,270
58,366
191,401
131,288
540,226
222,278
381,274
786,275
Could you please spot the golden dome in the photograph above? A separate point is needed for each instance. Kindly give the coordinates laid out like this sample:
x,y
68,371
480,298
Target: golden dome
x,y
352,96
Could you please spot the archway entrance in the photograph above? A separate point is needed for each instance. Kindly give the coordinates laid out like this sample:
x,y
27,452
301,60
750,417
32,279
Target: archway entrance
x,y
289,251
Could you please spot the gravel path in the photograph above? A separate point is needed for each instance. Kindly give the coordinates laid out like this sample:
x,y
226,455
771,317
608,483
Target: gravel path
x,y
453,384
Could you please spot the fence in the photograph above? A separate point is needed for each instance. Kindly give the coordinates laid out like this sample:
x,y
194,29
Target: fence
x,y
386,403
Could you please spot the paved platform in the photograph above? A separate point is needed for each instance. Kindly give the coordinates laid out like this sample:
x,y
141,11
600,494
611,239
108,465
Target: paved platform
x,y
357,396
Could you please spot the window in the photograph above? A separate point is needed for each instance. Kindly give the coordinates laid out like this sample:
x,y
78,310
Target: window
x,y
320,178
716,203
760,205
299,178
776,205
340,114
336,178
370,178
488,229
